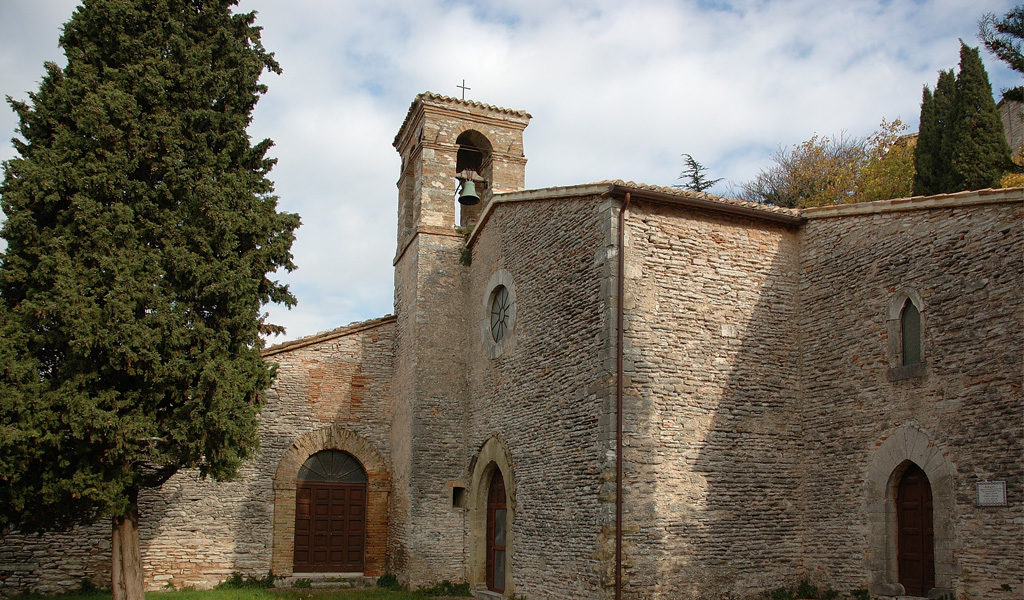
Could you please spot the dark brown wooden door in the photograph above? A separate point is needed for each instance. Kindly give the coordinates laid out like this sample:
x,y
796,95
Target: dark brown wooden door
x,y
916,542
330,526
496,533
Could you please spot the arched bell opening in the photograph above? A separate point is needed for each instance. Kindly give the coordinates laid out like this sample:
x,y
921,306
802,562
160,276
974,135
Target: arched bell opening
x,y
473,171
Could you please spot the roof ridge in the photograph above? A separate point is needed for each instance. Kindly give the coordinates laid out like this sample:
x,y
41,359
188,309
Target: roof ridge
x,y
322,336
435,97
684,193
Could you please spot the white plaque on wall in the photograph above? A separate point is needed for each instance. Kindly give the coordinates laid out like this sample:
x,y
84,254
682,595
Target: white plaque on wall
x,y
992,493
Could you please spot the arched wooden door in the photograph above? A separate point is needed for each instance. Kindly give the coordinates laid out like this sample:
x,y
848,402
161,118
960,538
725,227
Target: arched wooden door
x,y
916,541
330,514
497,512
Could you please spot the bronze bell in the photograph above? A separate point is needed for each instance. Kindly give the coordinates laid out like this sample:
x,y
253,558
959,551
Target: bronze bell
x,y
469,197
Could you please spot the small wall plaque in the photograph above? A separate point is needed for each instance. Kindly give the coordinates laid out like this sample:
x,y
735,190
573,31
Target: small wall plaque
x,y
992,493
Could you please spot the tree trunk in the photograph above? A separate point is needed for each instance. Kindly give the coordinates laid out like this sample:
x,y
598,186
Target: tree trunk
x,y
125,561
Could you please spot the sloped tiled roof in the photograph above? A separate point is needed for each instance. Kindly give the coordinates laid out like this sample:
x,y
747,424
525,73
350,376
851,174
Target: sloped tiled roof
x,y
704,196
327,335
439,98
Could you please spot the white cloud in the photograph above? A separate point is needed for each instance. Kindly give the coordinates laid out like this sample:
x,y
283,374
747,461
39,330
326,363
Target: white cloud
x,y
617,89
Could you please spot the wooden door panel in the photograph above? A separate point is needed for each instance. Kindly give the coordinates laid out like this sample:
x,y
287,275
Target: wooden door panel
x,y
915,538
330,524
496,524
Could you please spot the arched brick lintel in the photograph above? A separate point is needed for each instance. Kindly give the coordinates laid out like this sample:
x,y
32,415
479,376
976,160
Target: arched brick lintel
x,y
909,444
378,485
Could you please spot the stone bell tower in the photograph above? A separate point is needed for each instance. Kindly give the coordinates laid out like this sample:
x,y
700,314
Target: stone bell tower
x,y
441,138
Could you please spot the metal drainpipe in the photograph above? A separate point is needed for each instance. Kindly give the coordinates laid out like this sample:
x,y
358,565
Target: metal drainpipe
x,y
618,397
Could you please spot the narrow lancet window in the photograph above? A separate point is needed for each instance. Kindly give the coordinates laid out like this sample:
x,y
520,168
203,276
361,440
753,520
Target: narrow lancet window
x,y
910,329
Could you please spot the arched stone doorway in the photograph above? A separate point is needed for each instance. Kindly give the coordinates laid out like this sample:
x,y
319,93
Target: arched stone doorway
x,y
287,484
491,517
330,514
915,544
902,449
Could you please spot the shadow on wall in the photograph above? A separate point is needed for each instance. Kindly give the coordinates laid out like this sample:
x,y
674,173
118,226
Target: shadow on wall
x,y
712,473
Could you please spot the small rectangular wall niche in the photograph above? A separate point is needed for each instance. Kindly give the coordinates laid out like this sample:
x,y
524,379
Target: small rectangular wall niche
x,y
458,497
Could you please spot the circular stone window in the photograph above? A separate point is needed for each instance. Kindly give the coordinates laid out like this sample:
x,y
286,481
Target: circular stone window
x,y
500,313
498,324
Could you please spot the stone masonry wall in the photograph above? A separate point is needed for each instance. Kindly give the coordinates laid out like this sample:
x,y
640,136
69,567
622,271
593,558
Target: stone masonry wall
x,y
967,266
711,461
197,532
429,433
544,396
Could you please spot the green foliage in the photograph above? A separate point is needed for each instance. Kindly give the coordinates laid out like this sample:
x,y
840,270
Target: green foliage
x,y
932,154
781,594
829,594
888,167
695,175
961,144
979,151
388,582
444,588
86,586
1005,38
141,229
860,594
466,254
302,583
806,590
239,582
837,169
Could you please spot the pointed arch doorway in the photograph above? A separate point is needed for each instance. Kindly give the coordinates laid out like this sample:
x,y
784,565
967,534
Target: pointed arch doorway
x,y
915,542
330,514
497,513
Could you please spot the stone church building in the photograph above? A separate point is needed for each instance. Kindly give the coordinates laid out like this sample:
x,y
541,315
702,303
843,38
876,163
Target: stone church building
x,y
618,388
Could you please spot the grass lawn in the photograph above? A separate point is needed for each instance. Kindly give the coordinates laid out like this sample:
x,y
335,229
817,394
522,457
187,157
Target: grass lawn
x,y
253,594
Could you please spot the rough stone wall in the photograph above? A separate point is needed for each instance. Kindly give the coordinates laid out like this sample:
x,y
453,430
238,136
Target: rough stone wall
x,y
197,532
54,562
429,433
711,460
967,266
545,395
1012,114
430,427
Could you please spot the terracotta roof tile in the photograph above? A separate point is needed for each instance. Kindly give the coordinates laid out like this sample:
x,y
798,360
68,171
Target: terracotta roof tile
x,y
681,193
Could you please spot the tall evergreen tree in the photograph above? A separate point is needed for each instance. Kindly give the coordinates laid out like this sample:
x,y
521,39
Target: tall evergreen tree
x,y
931,155
979,153
1005,38
141,231
695,175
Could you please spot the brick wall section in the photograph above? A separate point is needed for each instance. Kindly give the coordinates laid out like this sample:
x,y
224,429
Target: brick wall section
x,y
968,267
355,370
711,448
544,396
196,532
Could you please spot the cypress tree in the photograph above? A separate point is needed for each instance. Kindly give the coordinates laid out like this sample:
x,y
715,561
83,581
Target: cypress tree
x,y
979,153
141,231
931,155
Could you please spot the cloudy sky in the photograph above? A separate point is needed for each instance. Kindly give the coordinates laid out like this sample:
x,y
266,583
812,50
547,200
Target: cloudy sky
x,y
617,89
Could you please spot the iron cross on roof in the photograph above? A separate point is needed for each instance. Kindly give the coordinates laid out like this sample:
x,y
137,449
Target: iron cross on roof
x,y
464,88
